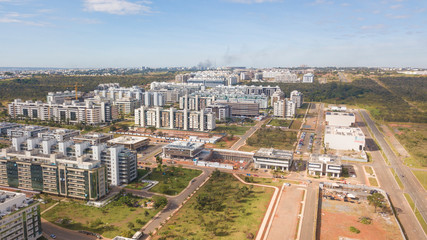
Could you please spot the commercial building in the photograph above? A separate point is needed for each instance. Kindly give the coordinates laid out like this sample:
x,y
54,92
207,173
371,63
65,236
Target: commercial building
x,y
308,78
324,165
131,142
19,217
270,158
341,119
61,97
182,150
241,109
175,119
213,78
344,138
297,97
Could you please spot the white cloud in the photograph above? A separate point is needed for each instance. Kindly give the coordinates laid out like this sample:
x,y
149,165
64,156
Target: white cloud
x,y
372,27
397,6
119,7
252,1
15,17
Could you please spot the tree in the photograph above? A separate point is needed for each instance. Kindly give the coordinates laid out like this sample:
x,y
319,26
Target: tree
x,y
159,201
152,129
377,200
131,225
159,160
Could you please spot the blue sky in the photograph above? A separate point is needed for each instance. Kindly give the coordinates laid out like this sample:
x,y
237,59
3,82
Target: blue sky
x,y
252,33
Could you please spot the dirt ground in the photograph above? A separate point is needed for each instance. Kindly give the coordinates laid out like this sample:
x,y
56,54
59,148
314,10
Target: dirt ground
x,y
338,216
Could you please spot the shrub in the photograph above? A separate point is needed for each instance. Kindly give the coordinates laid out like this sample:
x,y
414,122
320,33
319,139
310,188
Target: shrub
x,y
354,230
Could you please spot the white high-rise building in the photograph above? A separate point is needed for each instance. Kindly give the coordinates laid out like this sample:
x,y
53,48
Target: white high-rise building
x,y
297,97
284,108
308,78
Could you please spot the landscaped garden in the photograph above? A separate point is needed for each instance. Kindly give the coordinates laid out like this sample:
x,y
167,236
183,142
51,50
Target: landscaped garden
x,y
123,216
172,180
223,208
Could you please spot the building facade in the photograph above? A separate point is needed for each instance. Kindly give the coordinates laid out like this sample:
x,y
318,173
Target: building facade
x,y
324,165
182,150
19,217
270,158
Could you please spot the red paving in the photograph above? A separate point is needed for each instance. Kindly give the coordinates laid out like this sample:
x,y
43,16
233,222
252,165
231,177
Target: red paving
x,y
285,220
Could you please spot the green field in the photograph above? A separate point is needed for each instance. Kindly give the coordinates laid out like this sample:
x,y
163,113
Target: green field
x,y
273,138
369,170
280,122
231,129
373,182
109,221
223,208
172,180
422,177
413,137
417,212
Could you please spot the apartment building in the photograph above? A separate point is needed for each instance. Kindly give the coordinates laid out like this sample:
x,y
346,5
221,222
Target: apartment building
x,y
308,78
324,165
270,158
89,112
221,111
26,131
175,119
297,97
19,217
285,108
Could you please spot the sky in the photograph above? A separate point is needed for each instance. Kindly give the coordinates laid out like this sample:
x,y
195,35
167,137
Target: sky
x,y
250,33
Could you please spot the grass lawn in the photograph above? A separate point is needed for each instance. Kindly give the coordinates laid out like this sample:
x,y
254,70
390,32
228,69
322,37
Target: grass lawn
x,y
369,170
399,182
417,213
373,182
231,129
273,138
109,221
223,208
422,177
224,143
296,124
137,184
412,137
279,122
172,180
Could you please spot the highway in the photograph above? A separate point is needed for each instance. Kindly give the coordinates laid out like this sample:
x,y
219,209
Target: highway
x,y
309,222
388,183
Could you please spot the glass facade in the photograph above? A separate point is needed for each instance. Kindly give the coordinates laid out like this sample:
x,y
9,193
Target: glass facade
x,y
37,177
12,174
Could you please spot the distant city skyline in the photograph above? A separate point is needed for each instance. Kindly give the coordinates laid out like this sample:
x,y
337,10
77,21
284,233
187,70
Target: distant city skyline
x,y
251,33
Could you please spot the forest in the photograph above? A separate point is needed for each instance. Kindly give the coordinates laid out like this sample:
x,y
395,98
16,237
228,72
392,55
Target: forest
x,y
37,87
366,93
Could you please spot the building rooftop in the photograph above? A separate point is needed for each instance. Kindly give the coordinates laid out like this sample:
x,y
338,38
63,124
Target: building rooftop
x,y
185,145
344,131
127,140
325,158
12,201
274,153
339,114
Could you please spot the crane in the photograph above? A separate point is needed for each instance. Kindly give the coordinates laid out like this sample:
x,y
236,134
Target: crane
x,y
75,86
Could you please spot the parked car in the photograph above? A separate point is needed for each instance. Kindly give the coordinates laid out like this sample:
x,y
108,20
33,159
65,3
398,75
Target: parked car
x,y
53,236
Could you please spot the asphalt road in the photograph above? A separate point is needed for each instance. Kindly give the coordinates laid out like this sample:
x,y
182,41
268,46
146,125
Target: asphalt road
x,y
308,221
62,233
244,137
388,183
174,203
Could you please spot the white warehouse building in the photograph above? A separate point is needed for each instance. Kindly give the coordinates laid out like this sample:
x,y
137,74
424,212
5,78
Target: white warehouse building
x,y
344,138
341,119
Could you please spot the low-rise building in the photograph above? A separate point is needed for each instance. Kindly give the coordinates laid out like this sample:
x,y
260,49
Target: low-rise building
x,y
93,138
130,142
325,165
270,158
182,150
19,217
341,119
344,138
4,126
26,131
308,78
